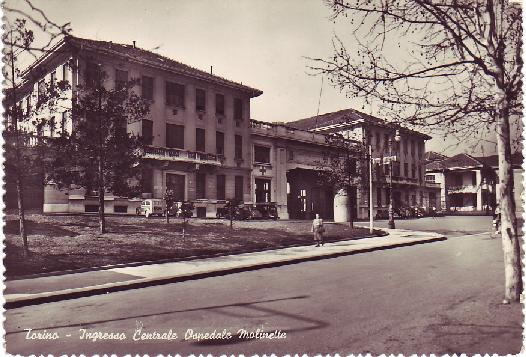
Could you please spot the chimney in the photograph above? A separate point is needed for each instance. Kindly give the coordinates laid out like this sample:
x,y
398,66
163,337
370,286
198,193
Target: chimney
x,y
134,44
211,69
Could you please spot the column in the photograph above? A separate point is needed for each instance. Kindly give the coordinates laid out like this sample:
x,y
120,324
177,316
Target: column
x,y
478,180
341,206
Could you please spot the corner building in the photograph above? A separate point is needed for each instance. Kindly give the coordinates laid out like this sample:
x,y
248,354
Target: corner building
x,y
198,122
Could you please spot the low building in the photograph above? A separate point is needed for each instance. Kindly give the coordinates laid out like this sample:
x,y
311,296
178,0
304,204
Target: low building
x,y
470,184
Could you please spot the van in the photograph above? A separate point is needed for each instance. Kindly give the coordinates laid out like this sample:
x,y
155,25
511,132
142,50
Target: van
x,y
151,207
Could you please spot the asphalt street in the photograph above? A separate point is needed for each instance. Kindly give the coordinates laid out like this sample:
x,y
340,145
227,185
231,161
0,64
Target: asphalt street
x,y
441,297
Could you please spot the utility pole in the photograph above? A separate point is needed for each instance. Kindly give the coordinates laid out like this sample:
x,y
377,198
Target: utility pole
x,y
370,162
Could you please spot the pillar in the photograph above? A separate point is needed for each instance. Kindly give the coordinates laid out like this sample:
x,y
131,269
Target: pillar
x,y
478,181
341,206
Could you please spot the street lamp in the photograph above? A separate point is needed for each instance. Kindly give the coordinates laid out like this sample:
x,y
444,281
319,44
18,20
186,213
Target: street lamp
x,y
391,223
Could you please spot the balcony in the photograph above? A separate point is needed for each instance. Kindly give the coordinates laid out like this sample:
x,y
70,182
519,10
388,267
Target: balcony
x,y
285,132
170,154
431,184
463,189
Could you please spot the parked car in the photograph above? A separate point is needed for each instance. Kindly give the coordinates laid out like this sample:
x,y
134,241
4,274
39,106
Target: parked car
x,y
235,209
151,207
268,210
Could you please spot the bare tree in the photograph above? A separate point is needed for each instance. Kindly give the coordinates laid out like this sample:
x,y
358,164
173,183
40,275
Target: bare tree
x,y
453,64
344,167
20,27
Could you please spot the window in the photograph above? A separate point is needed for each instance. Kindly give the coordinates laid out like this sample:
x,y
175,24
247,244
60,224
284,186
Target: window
x,y
92,75
421,198
63,121
200,144
378,144
261,154
121,79
413,200
65,73
220,180
175,136
41,91
413,171
220,104
238,188
290,155
53,79
430,178
147,131
263,191
147,180
28,104
200,185
175,94
200,100
419,173
238,109
406,169
386,141
396,169
379,196
352,166
405,147
220,143
238,141
412,148
147,87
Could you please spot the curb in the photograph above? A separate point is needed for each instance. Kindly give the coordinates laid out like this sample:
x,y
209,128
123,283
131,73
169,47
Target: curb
x,y
383,233
55,296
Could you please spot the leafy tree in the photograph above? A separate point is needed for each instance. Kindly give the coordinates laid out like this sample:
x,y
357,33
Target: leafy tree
x,y
169,198
452,64
23,121
101,154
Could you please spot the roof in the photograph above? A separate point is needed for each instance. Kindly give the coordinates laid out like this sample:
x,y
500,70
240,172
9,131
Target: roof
x,y
493,160
347,116
432,156
468,161
461,161
136,54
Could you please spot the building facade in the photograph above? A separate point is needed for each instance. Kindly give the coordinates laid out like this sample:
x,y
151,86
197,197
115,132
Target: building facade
x,y
398,156
203,144
470,184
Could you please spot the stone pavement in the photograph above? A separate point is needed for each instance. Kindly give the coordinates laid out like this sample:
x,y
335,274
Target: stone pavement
x,y
58,287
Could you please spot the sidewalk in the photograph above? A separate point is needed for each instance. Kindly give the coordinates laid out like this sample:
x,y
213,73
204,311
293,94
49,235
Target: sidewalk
x,y
38,290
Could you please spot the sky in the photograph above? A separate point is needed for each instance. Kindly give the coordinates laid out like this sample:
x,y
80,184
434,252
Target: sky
x,y
262,43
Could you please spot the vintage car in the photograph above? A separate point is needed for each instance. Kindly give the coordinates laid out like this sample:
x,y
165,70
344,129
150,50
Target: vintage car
x,y
151,207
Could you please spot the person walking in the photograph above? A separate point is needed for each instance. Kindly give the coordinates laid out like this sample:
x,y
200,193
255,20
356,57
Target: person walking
x,y
318,230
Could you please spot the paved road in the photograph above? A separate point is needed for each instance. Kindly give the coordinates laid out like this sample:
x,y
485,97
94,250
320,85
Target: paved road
x,y
437,298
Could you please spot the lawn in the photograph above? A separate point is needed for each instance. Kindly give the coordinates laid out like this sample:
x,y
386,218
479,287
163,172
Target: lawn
x,y
59,243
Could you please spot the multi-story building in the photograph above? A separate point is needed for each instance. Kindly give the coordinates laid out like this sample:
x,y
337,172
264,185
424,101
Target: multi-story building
x,y
198,122
391,144
287,162
470,184
203,144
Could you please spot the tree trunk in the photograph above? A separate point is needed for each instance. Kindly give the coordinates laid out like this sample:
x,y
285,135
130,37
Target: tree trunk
x,y
510,238
350,207
102,219
21,211
19,181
